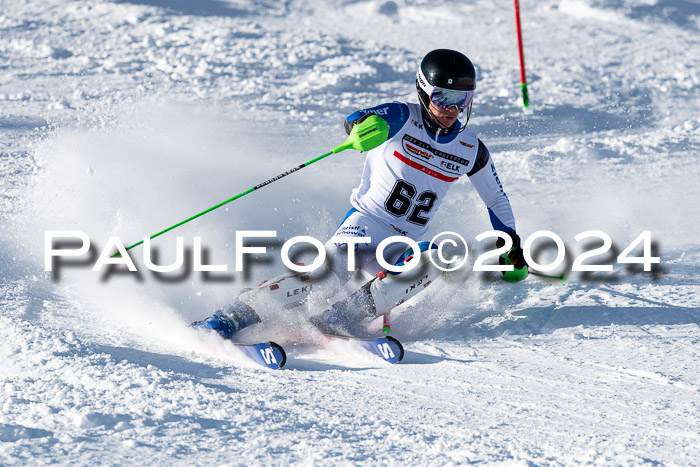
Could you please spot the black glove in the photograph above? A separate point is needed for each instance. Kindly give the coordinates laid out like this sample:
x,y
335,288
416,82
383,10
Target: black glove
x,y
515,254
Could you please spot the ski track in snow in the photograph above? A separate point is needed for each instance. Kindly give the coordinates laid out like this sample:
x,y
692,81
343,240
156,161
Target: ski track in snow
x,y
123,117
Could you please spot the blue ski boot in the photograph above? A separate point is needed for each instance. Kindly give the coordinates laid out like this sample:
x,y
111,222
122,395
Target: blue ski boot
x,y
345,315
230,319
333,322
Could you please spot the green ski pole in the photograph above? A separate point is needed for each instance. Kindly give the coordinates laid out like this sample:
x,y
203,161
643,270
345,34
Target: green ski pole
x,y
364,136
560,277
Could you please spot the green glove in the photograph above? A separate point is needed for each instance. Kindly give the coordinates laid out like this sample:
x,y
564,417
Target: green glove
x,y
513,257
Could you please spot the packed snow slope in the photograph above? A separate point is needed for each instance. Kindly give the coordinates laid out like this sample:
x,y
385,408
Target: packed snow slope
x,y
120,118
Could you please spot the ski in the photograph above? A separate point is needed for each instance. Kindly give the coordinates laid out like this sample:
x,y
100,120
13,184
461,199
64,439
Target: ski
x,y
387,348
227,321
268,354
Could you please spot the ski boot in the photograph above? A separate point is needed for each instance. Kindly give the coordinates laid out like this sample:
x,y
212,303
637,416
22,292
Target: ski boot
x,y
344,316
332,322
230,319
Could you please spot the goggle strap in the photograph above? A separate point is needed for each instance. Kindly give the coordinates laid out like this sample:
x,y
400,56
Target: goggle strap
x,y
423,82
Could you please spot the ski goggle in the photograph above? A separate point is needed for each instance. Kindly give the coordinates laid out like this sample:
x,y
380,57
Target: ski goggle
x,y
446,98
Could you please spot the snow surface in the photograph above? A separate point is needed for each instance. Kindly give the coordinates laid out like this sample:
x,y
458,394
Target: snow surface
x,y
120,118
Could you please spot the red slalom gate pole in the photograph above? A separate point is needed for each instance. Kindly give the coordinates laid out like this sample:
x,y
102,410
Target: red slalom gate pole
x,y
523,78
386,327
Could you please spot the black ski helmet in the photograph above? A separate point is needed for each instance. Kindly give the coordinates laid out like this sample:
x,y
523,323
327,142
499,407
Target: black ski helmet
x,y
446,69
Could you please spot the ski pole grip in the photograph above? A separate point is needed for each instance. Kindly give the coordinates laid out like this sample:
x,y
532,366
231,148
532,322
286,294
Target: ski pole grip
x,y
370,133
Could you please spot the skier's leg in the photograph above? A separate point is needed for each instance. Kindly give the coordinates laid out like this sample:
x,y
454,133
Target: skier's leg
x,y
380,295
344,314
355,225
389,290
359,304
294,289
288,290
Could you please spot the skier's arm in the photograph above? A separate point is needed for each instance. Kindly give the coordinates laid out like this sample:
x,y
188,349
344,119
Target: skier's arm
x,y
395,113
485,179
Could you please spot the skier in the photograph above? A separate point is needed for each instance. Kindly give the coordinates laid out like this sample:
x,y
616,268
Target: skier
x,y
403,183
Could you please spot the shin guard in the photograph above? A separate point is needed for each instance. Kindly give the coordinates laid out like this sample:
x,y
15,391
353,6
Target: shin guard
x,y
390,290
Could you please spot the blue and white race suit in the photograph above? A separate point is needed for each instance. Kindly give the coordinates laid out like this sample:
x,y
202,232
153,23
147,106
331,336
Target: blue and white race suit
x,y
405,180
403,183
